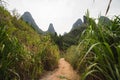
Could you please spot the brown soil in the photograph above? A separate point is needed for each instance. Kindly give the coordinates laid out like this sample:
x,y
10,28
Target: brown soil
x,y
64,72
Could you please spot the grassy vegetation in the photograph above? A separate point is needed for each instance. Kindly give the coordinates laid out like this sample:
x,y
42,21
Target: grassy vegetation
x,y
24,54
97,57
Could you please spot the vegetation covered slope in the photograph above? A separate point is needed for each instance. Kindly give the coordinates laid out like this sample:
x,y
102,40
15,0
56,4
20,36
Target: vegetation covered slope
x,y
72,38
24,54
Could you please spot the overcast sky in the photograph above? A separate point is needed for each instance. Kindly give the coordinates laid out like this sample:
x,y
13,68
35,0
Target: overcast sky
x,y
62,13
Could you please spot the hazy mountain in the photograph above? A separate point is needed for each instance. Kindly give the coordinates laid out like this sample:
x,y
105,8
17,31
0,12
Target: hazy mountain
x,y
27,17
104,21
72,38
65,33
77,24
51,29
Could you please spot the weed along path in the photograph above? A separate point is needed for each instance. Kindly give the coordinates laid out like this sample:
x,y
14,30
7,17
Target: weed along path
x,y
64,72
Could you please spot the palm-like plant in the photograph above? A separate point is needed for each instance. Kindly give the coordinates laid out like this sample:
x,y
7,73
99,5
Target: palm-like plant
x,y
101,55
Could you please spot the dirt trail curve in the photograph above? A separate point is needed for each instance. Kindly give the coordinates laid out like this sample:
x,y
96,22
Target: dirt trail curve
x,y
64,72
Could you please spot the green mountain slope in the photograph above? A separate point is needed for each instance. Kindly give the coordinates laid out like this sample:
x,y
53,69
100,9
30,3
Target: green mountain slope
x,y
71,38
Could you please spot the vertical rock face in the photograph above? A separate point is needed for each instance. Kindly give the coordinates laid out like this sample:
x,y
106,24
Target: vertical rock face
x,y
51,29
27,17
77,24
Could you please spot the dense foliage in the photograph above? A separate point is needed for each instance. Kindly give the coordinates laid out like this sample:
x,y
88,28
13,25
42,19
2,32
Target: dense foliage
x,y
97,57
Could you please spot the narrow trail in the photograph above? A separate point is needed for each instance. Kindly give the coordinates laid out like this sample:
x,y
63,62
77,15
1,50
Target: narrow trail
x,y
64,72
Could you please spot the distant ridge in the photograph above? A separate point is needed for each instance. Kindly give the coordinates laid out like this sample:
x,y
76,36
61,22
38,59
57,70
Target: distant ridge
x,y
27,17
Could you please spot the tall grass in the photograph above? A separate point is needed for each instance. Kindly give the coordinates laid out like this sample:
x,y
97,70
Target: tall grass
x,y
98,53
18,63
24,54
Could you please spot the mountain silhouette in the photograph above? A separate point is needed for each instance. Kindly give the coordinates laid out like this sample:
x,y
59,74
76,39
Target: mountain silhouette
x,y
77,24
51,29
104,21
27,17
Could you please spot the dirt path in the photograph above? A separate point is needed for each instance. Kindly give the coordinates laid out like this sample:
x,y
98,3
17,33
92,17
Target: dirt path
x,y
64,72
